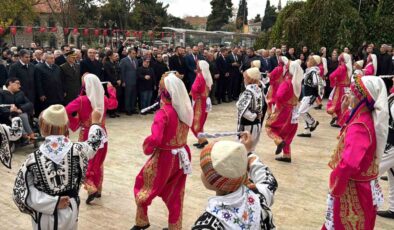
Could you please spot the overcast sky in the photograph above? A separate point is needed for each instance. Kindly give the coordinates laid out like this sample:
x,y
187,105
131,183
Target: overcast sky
x,y
181,8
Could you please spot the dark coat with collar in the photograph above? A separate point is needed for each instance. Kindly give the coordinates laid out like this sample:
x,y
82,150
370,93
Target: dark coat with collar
x,y
49,84
26,75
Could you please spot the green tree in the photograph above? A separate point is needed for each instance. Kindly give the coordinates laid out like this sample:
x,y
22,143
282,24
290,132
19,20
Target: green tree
x,y
122,9
257,18
12,10
242,15
220,14
269,17
178,22
149,15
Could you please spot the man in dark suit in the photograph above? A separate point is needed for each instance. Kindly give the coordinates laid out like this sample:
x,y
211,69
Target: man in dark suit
x,y
177,63
91,65
235,75
37,57
62,58
71,77
3,74
49,82
385,66
224,84
191,61
265,62
24,71
128,76
275,59
248,59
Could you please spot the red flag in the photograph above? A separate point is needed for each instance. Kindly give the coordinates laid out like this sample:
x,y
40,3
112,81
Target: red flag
x,y
13,30
66,30
75,30
1,30
86,32
127,34
140,34
96,32
29,29
134,33
105,32
54,29
162,35
42,29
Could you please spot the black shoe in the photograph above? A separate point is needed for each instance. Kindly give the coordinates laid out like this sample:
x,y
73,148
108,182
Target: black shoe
x,y
280,147
215,102
165,228
112,115
333,120
385,178
129,113
135,227
314,127
98,195
196,144
219,102
202,145
386,214
117,115
304,135
91,197
335,125
283,159
319,107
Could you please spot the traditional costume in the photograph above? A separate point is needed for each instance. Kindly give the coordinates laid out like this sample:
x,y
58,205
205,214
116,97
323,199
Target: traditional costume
x,y
8,134
358,68
275,79
355,193
250,107
371,67
387,163
164,174
248,184
323,70
55,171
79,114
340,82
201,101
282,125
311,93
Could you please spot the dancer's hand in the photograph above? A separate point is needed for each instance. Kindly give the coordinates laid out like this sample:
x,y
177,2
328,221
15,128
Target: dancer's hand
x,y
345,102
96,117
246,139
64,202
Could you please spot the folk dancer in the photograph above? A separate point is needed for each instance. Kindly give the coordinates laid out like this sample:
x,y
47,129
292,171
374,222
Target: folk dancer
x,y
7,135
164,174
355,193
79,114
48,183
311,93
371,67
340,82
276,77
250,105
387,164
244,187
201,101
282,125
322,64
358,68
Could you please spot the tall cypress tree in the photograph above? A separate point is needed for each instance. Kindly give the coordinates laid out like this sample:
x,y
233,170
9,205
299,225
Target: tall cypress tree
x,y
269,17
242,15
220,14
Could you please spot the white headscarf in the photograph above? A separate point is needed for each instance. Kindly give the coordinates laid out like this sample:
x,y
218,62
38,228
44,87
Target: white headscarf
x,y
348,62
377,89
285,62
204,66
374,63
324,60
95,92
179,98
298,74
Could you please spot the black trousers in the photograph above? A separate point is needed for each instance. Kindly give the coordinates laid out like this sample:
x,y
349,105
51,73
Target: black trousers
x,y
224,87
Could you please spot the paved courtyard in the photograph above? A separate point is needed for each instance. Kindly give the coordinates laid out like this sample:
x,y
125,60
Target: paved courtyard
x,y
300,200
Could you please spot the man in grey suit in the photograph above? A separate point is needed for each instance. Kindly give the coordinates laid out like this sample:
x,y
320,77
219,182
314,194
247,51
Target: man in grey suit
x,y
128,75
